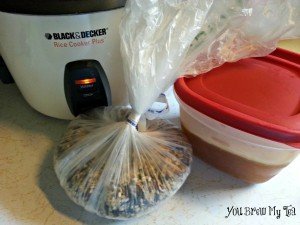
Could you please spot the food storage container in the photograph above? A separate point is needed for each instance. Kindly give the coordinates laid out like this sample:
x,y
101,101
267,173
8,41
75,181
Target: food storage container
x,y
244,117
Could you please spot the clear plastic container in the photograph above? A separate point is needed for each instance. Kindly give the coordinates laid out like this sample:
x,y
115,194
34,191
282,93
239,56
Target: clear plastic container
x,y
243,155
234,130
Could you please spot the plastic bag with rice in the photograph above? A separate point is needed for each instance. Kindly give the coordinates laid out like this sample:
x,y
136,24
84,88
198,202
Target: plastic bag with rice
x,y
105,162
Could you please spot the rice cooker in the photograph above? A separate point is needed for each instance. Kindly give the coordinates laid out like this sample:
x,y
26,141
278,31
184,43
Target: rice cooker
x,y
64,55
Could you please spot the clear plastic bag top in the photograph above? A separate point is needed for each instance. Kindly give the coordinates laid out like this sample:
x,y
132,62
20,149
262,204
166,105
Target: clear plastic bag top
x,y
161,40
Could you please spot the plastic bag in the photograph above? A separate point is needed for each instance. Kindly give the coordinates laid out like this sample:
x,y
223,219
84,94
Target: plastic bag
x,y
108,166
116,171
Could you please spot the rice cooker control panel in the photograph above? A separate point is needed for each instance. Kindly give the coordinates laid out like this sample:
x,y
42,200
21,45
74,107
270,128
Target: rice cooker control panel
x,y
86,86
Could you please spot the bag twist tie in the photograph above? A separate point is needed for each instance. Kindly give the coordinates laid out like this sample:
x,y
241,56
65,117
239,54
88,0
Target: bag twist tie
x,y
133,119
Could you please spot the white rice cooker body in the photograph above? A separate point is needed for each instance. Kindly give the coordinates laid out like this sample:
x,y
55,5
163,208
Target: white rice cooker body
x,y
37,48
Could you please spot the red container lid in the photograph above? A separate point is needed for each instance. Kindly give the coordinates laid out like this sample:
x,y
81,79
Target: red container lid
x,y
260,96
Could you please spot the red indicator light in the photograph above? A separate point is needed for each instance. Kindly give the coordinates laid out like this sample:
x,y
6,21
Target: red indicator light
x,y
85,81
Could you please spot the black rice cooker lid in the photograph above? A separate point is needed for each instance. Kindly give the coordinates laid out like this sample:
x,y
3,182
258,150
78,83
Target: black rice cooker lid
x,y
58,7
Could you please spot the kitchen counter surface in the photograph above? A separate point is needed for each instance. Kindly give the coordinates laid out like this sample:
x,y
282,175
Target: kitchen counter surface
x,y
30,192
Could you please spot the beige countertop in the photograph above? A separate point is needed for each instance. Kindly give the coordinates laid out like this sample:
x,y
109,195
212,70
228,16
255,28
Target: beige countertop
x,y
292,45
30,192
